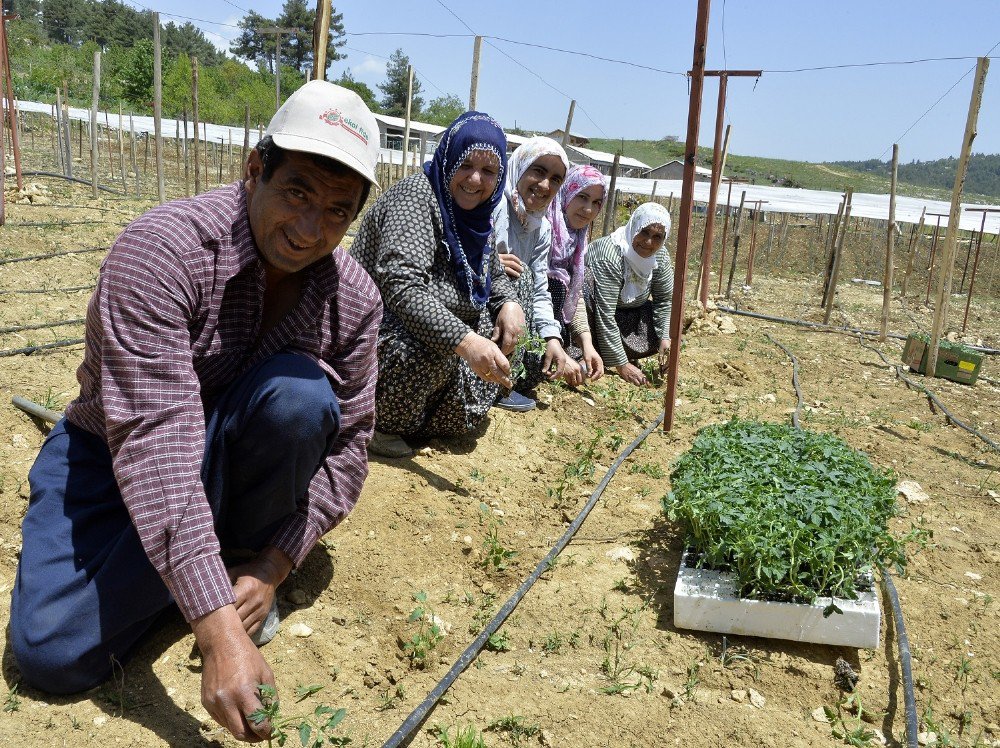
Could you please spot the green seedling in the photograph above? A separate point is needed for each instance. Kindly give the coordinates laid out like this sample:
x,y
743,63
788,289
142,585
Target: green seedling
x,y
647,468
792,514
617,642
692,679
496,555
527,342
499,641
963,669
465,737
314,730
13,702
516,729
428,635
847,722
553,643
390,698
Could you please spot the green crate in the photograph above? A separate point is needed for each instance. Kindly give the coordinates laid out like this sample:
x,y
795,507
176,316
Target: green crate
x,y
955,361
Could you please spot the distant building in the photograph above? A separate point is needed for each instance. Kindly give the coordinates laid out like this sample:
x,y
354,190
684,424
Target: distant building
x,y
574,137
423,135
675,170
627,167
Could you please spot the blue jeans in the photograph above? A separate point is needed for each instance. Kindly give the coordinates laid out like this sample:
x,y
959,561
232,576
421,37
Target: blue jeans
x,y
85,591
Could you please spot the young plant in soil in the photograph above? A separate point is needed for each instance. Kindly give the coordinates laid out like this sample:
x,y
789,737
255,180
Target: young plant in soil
x,y
314,730
428,635
527,342
792,514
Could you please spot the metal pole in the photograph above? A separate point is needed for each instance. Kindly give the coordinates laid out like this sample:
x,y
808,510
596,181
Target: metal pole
x,y
975,263
725,235
686,209
930,264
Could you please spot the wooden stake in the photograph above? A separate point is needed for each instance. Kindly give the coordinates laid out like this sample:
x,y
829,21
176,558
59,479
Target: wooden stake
x,y
930,262
835,229
609,210
569,124
406,127
246,139
187,151
135,164
474,84
321,38
911,251
951,238
889,243
838,252
725,235
161,191
194,114
93,122
975,264
69,131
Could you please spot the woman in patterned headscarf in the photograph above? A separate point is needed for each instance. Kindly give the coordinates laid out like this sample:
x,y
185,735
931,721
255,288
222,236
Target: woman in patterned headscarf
x,y
576,207
451,314
629,290
521,237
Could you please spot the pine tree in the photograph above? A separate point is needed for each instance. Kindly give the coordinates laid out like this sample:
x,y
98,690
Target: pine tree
x,y
395,87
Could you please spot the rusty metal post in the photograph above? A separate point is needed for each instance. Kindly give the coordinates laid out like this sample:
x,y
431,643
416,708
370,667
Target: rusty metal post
x,y
686,209
725,235
15,143
975,263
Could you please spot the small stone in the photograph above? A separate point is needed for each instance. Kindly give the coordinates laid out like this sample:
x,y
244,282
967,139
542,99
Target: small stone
x,y
543,673
670,692
546,737
912,492
488,588
296,596
757,699
19,441
927,738
819,715
589,402
100,721
300,630
426,452
738,695
467,541
621,554
973,576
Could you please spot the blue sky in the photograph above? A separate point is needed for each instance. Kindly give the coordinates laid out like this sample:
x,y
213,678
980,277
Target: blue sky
x,y
848,113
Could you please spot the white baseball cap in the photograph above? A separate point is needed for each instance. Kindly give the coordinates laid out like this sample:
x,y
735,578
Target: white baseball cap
x,y
330,121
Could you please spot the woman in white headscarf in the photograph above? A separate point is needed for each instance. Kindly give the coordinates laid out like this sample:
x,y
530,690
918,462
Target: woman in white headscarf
x,y
629,290
522,236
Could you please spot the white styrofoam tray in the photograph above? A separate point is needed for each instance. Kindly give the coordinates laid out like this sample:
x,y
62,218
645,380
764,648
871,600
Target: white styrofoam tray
x,y
706,600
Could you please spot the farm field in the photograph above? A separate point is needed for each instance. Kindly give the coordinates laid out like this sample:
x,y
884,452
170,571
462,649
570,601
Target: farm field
x,y
591,656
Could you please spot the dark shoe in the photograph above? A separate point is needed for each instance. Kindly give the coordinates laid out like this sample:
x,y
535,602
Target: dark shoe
x,y
269,628
516,402
389,445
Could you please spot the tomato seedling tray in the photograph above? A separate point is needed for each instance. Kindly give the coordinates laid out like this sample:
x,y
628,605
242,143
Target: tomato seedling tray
x,y
707,600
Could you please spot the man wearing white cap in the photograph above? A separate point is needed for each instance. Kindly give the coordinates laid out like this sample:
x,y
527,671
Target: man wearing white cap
x,y
226,402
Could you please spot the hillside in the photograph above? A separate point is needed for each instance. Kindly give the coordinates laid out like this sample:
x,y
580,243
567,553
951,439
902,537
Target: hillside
x,y
918,179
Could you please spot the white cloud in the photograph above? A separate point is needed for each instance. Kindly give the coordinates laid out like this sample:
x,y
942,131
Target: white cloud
x,y
370,70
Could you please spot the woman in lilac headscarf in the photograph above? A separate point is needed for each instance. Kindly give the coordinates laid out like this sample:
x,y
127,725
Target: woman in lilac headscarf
x,y
575,208
450,313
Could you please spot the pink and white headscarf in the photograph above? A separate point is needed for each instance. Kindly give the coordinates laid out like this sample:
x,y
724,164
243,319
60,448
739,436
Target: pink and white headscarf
x,y
569,246
518,162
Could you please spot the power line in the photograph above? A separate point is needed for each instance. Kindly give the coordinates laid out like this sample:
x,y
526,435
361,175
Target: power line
x,y
517,62
873,64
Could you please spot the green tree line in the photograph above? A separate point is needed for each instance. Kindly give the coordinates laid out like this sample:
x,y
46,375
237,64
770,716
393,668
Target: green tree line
x,y
983,177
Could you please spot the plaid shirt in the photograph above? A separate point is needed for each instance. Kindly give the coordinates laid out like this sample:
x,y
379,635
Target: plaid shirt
x,y
173,321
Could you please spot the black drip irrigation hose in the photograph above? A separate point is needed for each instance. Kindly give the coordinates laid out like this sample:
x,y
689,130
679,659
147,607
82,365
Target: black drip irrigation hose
x,y
8,260
41,325
905,663
834,328
795,380
404,734
65,289
902,640
41,224
54,175
949,416
28,350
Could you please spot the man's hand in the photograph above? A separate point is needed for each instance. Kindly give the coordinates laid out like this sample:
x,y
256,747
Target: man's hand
x,y
557,365
594,362
631,374
663,356
509,326
231,669
254,584
511,265
485,359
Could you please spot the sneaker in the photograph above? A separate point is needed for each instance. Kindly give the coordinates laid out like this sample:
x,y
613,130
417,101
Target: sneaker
x,y
270,626
516,402
389,445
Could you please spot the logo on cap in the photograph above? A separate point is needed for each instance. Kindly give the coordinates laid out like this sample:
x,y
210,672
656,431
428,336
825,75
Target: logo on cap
x,y
335,118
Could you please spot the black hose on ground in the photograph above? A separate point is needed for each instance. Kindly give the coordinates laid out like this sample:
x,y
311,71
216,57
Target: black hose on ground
x,y
68,289
41,325
54,175
49,255
795,380
28,350
833,328
905,663
404,734
949,416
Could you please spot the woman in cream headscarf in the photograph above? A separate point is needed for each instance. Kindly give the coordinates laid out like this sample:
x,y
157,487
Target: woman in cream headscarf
x,y
629,291
521,237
